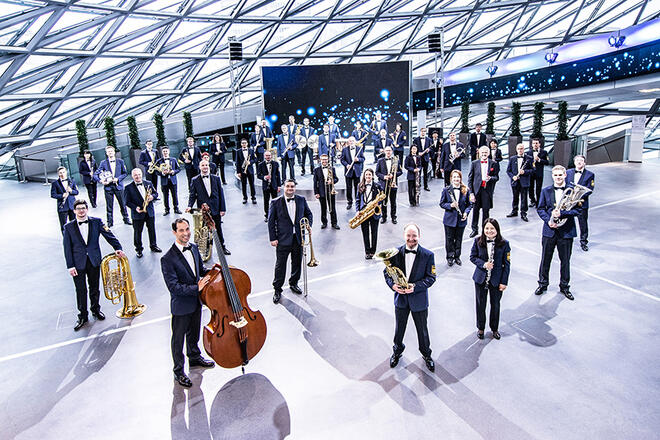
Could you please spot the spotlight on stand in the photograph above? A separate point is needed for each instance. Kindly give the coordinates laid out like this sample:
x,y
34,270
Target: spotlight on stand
x,y
551,57
492,69
617,40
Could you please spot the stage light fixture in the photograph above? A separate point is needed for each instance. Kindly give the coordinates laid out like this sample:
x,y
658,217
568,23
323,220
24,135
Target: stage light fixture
x,y
434,41
551,57
492,69
617,40
235,50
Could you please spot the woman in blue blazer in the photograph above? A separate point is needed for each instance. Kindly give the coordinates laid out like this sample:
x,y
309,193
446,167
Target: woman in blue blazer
x,y
455,200
491,254
87,167
368,190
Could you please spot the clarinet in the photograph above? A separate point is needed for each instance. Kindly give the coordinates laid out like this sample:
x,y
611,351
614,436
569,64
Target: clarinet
x,y
453,199
491,259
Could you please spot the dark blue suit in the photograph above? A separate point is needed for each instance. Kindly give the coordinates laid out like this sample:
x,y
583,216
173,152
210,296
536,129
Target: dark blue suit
x,y
287,234
216,200
498,275
327,147
185,305
269,187
192,168
114,190
453,221
400,141
287,151
352,177
586,179
483,194
422,146
536,179
64,207
145,161
446,164
561,238
248,175
519,187
168,184
410,164
381,172
307,152
87,173
370,226
379,148
134,200
326,200
422,275
85,256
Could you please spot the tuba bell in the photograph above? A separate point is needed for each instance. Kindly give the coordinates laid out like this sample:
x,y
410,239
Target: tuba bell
x,y
203,237
571,197
394,272
118,282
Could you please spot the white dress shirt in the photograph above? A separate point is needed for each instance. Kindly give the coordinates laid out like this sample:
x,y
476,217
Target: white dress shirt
x,y
452,148
577,176
388,164
188,255
291,208
140,188
558,194
84,228
457,193
520,163
410,260
206,180
484,171
113,166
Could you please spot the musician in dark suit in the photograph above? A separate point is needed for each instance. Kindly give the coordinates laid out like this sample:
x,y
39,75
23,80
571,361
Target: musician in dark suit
x,y
368,190
147,157
83,258
212,167
400,141
64,190
495,153
582,176
424,148
418,264
413,167
292,130
456,202
352,157
113,186
183,269
284,233
436,154
377,125
286,150
554,236
190,155
168,181
258,143
207,188
245,160
360,133
382,142
334,128
327,143
269,173
218,149
307,153
87,167
481,181
490,253
477,140
135,193
539,161
519,171
387,177
322,191
452,154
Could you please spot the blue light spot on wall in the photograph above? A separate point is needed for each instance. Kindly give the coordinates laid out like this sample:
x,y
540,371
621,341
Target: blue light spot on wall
x,y
321,89
299,112
385,94
311,111
597,72
522,79
345,133
405,116
549,80
273,118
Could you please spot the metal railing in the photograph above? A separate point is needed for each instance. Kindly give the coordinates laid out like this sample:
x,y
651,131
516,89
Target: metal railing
x,y
20,169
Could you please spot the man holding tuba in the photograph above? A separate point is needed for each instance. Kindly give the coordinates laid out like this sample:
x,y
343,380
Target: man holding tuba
x,y
325,178
83,258
140,194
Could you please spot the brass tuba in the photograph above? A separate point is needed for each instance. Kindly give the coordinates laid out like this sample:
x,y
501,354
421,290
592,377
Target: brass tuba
x,y
203,237
394,272
365,213
118,282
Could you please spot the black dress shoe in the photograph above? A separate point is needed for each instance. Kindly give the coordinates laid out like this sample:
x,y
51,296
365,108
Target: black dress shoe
x,y
166,213
496,334
473,234
584,247
532,204
93,205
201,362
109,224
370,256
349,206
450,262
383,220
254,201
177,211
244,201
156,249
79,324
429,363
512,214
524,217
335,226
99,315
265,219
540,290
276,297
127,222
567,293
225,250
394,360
480,334
138,254
394,221
458,261
427,189
183,380
324,225
295,289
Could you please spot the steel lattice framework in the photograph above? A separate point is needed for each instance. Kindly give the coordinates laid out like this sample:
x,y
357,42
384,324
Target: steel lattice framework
x,y
62,60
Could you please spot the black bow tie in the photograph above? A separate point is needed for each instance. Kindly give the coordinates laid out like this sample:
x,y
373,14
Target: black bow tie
x,y
290,199
490,241
410,251
558,187
112,161
578,172
186,248
520,157
139,184
65,180
205,177
84,221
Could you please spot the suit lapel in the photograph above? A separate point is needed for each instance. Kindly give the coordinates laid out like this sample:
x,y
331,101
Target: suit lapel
x,y
183,260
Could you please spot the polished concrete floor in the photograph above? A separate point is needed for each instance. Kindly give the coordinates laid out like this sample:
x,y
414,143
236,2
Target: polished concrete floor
x,y
585,369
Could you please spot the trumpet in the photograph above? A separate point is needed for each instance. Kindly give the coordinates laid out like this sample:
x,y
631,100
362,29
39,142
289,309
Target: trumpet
x,y
118,282
147,194
394,272
305,240
372,208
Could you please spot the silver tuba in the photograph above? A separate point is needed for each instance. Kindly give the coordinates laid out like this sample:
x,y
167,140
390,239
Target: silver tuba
x,y
571,197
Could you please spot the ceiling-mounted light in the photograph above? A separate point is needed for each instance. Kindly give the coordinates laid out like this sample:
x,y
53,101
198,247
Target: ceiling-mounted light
x,y
492,69
616,40
551,57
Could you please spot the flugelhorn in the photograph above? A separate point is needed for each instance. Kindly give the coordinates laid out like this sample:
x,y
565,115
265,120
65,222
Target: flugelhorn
x,y
118,282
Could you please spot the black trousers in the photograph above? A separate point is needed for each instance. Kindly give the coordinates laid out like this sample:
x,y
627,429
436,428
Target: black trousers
x,y
482,203
65,216
112,192
564,248
288,161
170,189
298,155
519,197
307,153
425,169
351,187
221,168
185,327
411,192
269,193
453,241
87,277
584,225
282,255
91,193
391,204
153,178
370,235
535,187
260,156
245,178
434,164
420,319
328,203
495,296
399,154
217,219
190,174
138,226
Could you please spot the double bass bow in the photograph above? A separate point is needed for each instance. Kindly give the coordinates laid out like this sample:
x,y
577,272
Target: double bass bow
x,y
235,333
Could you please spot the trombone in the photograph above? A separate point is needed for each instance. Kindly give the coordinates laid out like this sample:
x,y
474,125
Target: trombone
x,y
330,187
305,240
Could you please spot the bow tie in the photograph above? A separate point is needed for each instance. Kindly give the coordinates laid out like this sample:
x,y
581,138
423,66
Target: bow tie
x,y
578,172
112,161
558,187
66,180
84,221
410,251
490,241
187,248
205,177
290,199
519,157
139,184
484,161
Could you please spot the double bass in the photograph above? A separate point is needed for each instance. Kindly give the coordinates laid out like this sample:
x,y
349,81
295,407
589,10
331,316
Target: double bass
x,y
235,333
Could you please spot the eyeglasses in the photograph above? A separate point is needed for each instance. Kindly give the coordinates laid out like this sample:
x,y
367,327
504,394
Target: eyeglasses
x,y
80,208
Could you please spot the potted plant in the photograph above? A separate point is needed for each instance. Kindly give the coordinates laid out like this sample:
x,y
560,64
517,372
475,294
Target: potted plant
x,y
537,126
187,124
161,141
514,137
81,132
490,122
134,140
464,135
563,144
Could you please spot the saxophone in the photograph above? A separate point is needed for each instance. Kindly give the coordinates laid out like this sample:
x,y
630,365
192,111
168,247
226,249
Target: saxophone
x,y
203,237
367,212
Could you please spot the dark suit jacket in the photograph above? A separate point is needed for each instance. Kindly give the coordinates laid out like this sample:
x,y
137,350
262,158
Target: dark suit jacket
x,y
362,199
377,128
378,146
436,149
170,178
180,281
275,177
400,140
196,159
346,160
326,147
451,217
334,129
498,155
501,263
134,200
422,146
482,140
75,249
319,181
381,170
475,178
280,227
444,157
544,209
87,173
409,165
120,173
537,168
358,135
198,193
512,170
240,161
57,192
281,146
587,179
217,156
422,275
145,158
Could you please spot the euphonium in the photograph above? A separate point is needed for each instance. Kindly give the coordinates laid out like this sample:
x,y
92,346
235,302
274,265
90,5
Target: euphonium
x,y
269,145
571,197
394,272
118,282
203,237
369,210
